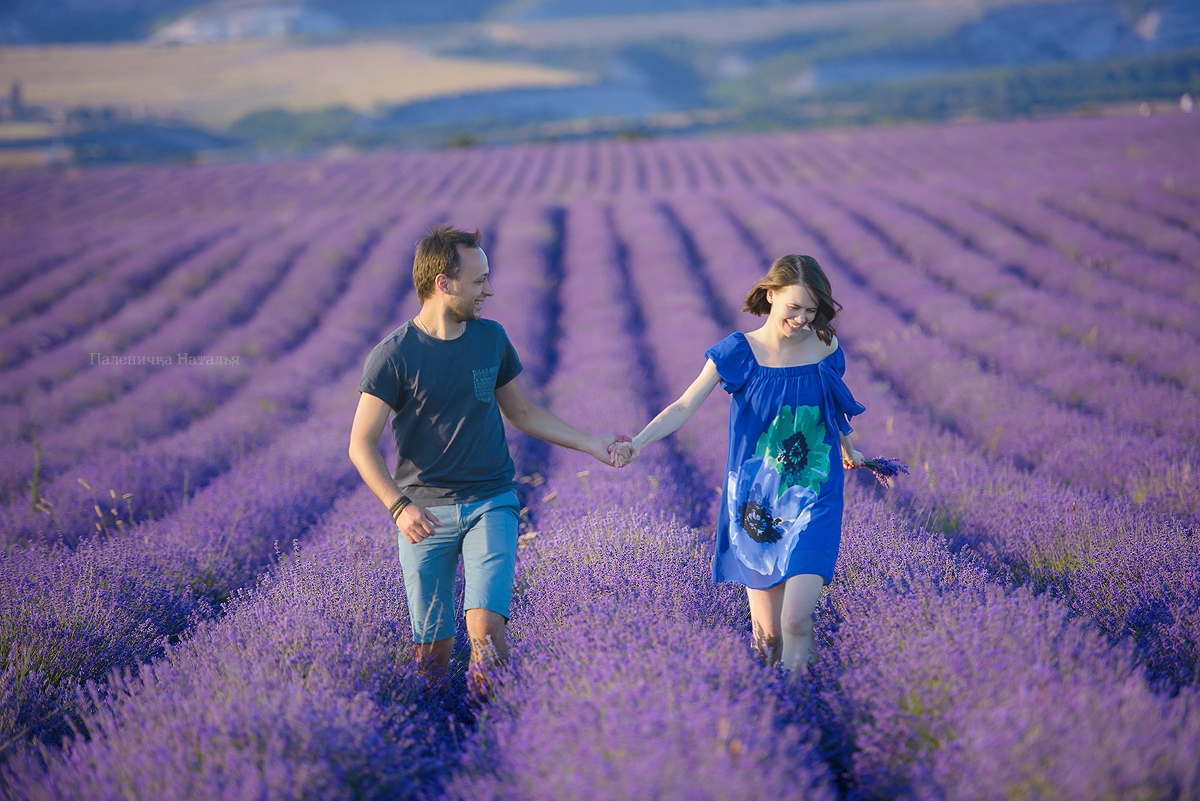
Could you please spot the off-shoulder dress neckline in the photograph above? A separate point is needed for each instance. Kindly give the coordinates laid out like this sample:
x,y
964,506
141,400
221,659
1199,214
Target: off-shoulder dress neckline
x,y
798,367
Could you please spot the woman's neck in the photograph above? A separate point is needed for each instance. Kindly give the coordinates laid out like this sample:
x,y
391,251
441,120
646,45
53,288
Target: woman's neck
x,y
770,336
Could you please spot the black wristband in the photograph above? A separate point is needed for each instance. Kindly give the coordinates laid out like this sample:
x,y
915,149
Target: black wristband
x,y
398,507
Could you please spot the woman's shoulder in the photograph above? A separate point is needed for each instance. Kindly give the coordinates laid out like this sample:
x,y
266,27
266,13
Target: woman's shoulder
x,y
734,343
834,356
733,359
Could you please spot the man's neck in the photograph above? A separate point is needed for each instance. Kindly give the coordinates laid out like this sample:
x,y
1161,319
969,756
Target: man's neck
x,y
439,324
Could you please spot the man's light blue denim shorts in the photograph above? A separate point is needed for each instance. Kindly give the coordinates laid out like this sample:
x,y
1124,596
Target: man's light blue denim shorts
x,y
485,533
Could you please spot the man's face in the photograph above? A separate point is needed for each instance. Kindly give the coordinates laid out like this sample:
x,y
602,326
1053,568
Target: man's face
x,y
472,287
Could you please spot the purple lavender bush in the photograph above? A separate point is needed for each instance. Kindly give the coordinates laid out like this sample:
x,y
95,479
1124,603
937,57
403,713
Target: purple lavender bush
x,y
305,688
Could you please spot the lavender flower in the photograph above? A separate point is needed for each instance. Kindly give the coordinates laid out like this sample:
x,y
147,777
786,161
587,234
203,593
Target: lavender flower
x,y
885,469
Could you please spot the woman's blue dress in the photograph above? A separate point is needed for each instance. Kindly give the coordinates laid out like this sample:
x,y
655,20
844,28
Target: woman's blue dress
x,y
781,504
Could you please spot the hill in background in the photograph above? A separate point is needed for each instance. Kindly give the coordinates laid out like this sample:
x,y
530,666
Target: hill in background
x,y
583,69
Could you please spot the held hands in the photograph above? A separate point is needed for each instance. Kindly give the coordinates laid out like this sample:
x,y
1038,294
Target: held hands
x,y
612,449
625,452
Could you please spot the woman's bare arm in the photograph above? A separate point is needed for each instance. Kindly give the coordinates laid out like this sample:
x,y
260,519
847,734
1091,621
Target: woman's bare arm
x,y
672,418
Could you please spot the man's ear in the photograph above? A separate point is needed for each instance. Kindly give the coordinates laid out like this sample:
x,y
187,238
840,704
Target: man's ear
x,y
442,282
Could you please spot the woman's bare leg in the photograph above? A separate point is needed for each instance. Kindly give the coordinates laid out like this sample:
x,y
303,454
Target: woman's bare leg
x,y
800,597
765,606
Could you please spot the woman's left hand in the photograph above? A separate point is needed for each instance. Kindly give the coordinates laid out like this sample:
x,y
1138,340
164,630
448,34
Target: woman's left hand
x,y
852,460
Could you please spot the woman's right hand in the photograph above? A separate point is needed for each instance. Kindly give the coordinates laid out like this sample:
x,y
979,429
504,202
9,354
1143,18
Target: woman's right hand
x,y
627,452
416,523
624,453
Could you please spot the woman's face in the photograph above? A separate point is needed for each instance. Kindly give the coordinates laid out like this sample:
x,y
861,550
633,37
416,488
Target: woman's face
x,y
792,309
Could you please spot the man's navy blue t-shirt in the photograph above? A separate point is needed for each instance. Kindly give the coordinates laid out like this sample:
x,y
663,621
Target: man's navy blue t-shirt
x,y
448,428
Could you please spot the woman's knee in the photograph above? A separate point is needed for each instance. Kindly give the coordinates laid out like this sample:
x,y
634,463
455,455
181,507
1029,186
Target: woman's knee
x,y
797,623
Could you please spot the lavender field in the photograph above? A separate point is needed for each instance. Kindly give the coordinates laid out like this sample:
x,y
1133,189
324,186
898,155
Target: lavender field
x,y
198,598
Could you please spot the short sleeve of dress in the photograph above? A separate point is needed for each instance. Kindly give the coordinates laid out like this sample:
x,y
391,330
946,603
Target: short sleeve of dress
x,y
839,402
734,361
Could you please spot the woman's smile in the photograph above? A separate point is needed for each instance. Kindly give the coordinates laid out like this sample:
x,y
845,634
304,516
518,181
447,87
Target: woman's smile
x,y
795,324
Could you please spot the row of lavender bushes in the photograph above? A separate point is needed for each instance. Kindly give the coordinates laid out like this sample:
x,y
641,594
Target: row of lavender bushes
x,y
746,732
303,689
1039,287
83,300
186,424
138,321
868,759
953,291
1053,152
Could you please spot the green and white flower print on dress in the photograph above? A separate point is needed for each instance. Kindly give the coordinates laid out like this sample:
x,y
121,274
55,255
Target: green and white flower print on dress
x,y
794,444
765,523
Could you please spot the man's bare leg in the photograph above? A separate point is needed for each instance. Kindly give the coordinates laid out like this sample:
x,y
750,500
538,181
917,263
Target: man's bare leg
x,y
433,658
489,648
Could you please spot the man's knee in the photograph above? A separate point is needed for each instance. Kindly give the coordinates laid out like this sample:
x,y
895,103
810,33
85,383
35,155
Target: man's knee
x,y
485,629
483,623
481,615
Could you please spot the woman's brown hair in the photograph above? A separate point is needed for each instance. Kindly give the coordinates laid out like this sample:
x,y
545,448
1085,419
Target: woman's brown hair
x,y
789,271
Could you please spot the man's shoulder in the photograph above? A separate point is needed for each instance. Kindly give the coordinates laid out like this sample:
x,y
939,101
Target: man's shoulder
x,y
491,332
491,327
395,340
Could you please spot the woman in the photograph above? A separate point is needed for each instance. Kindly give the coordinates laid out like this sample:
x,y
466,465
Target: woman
x,y
780,520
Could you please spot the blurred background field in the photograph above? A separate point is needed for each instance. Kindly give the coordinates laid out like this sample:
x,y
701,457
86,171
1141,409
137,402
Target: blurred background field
x,y
215,84
200,599
180,80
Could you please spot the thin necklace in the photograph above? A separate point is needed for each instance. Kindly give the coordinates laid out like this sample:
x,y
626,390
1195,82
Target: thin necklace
x,y
426,330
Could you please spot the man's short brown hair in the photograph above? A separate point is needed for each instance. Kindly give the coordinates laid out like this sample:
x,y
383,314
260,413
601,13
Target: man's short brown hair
x,y
437,254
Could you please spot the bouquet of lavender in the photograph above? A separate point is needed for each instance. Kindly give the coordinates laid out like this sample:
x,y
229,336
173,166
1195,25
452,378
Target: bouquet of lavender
x,y
885,469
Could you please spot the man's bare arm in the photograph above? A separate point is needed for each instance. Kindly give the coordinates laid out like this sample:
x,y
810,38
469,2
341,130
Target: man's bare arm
x,y
370,417
539,422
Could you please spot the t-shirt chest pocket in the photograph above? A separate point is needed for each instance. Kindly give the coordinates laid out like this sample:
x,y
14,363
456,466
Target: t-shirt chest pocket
x,y
485,383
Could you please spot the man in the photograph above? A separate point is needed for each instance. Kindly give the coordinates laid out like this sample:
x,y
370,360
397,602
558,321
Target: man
x,y
448,374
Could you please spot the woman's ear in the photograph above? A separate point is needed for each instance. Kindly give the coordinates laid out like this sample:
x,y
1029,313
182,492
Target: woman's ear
x,y
770,297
